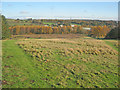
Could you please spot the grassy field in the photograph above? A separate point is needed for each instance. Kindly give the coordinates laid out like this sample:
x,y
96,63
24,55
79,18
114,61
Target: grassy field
x,y
46,36
80,62
113,43
48,23
14,23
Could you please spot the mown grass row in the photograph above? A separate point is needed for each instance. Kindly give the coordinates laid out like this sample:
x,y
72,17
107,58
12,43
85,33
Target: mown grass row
x,y
74,62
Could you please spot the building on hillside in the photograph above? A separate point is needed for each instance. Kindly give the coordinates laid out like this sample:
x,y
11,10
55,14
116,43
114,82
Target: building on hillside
x,y
72,25
61,25
45,25
85,28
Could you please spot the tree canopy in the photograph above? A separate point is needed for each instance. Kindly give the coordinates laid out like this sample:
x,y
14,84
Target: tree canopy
x,y
113,34
5,31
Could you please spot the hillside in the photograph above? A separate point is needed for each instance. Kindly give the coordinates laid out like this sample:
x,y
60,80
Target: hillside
x,y
113,34
79,62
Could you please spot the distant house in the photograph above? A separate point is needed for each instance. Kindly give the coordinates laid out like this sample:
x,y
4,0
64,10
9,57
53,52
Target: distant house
x,y
45,25
72,25
61,25
85,28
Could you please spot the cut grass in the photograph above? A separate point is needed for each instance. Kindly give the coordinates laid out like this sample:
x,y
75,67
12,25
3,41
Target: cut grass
x,y
48,23
20,23
19,69
112,44
46,63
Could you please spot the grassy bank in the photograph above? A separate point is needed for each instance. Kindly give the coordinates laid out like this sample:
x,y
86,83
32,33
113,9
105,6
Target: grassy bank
x,y
59,63
19,69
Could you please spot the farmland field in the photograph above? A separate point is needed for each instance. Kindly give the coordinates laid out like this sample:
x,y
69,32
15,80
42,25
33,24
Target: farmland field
x,y
20,23
48,23
80,62
13,23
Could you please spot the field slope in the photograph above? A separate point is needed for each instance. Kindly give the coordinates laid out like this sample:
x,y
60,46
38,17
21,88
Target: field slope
x,y
59,63
19,70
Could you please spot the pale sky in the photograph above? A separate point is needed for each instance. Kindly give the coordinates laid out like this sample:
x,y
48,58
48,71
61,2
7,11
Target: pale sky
x,y
57,10
60,0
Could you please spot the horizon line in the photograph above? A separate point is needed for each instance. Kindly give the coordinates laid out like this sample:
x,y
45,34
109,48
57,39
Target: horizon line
x,y
65,18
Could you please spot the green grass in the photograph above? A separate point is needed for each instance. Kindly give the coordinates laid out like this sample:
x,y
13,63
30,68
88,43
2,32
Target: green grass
x,y
75,24
19,69
56,63
12,23
48,23
21,23
112,44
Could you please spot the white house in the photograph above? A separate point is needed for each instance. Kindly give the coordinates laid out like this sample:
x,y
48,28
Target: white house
x,y
45,25
85,28
61,25
72,25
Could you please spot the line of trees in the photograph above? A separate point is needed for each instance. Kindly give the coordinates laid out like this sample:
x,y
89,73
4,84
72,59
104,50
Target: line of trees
x,y
99,31
20,30
114,33
72,21
96,31
6,33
